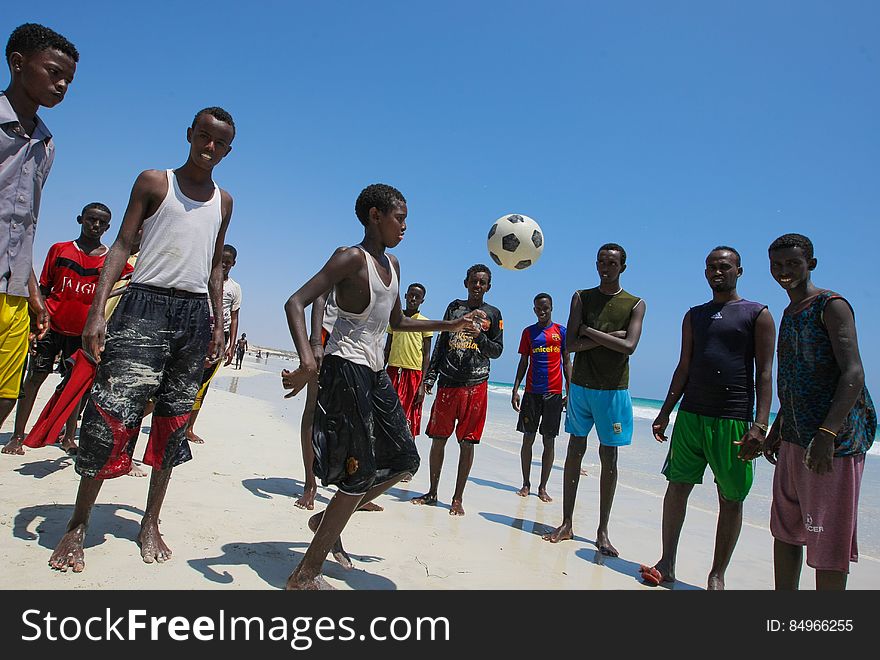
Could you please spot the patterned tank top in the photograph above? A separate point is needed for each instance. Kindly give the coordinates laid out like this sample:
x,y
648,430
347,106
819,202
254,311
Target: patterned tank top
x,y
807,379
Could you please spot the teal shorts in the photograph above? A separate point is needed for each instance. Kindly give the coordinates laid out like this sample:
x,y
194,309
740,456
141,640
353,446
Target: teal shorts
x,y
700,440
610,411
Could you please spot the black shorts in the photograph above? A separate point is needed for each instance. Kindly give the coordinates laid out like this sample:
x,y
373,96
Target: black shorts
x,y
50,347
360,433
156,346
540,413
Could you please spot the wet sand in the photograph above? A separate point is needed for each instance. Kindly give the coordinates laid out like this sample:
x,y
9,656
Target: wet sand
x,y
230,520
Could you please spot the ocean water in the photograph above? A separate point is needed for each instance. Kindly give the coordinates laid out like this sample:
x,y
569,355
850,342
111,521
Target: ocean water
x,y
639,464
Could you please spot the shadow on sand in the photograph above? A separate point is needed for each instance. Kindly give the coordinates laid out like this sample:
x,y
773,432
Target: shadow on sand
x,y
493,484
529,526
266,487
273,561
105,521
626,567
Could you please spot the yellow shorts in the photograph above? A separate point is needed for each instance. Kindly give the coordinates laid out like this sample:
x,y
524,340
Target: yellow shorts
x,y
14,329
207,376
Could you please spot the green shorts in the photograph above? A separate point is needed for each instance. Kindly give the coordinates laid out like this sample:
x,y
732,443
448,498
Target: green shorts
x,y
699,440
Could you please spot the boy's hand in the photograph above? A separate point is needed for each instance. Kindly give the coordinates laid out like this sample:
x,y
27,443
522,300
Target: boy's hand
x,y
217,346
658,427
420,394
751,444
297,380
318,353
820,453
771,444
514,399
230,354
471,323
94,334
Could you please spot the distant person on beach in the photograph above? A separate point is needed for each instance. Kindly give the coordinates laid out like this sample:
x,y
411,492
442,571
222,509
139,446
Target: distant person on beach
x,y
407,355
240,347
725,368
362,441
825,425
604,328
231,307
461,363
158,337
41,67
67,282
544,363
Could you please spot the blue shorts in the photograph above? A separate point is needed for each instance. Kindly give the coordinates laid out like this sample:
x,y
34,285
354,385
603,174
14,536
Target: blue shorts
x,y
610,411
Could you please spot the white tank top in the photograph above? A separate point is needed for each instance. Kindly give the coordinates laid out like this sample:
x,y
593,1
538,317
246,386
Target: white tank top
x,y
360,338
177,246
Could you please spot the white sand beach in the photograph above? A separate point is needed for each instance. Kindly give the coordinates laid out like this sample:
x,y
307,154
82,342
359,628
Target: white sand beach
x,y
230,519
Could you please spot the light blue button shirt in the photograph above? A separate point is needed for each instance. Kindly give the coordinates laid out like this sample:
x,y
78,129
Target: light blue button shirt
x,y
25,161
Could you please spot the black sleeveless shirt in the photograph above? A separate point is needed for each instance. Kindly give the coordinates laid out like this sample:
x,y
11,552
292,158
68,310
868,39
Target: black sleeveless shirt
x,y
721,380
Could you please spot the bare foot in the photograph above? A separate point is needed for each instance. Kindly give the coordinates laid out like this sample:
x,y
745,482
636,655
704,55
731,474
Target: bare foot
x,y
371,506
338,552
192,437
69,551
716,583
317,583
307,499
427,498
69,446
456,509
523,492
14,446
135,471
561,533
543,496
584,472
604,545
153,548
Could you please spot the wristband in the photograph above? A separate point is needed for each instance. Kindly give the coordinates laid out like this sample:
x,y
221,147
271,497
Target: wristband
x,y
828,431
763,427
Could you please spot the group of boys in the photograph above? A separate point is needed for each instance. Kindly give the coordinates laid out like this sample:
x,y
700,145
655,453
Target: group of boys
x,y
362,437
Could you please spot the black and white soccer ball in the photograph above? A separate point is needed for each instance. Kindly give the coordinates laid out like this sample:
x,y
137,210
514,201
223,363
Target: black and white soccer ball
x,y
515,241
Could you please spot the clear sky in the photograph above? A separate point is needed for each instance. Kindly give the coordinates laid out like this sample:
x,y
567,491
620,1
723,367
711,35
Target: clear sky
x,y
667,127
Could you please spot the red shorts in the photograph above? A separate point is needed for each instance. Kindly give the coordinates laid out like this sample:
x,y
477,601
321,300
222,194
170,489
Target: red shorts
x,y
466,405
817,510
406,382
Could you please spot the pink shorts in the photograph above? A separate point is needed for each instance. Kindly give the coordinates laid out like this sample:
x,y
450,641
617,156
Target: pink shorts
x,y
818,511
465,405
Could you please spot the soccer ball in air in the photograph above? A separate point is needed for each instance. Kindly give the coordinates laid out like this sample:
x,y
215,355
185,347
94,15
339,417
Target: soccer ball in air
x,y
515,241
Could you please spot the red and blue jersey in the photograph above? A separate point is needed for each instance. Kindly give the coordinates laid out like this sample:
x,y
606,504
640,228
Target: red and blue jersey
x,y
544,347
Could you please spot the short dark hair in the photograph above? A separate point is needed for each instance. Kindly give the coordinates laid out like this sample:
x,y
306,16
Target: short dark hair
x,y
33,37
95,205
478,268
616,248
543,295
231,250
380,196
793,241
727,248
418,285
217,113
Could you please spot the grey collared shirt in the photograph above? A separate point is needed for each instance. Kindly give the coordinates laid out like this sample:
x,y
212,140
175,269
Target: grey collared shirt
x,y
25,161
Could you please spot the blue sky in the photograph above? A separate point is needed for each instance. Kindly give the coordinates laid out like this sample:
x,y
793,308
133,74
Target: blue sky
x,y
667,127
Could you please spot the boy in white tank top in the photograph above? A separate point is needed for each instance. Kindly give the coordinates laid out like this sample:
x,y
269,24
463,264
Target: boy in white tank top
x,y
156,342
361,438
